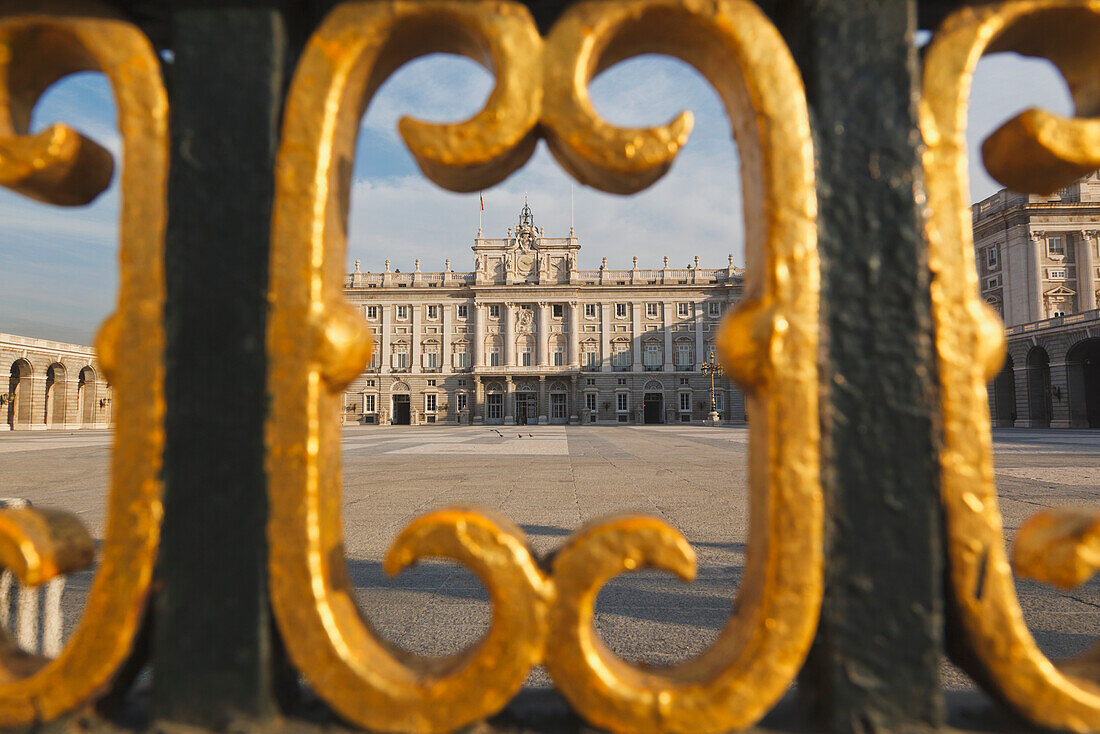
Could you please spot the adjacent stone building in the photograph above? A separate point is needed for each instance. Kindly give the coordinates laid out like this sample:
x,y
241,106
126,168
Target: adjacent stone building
x,y
1039,267
52,385
526,337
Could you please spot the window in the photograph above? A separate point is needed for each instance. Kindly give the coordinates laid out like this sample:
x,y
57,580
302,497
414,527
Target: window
x,y
402,312
372,312
461,358
589,381
620,310
1056,274
622,402
719,401
652,356
462,383
559,355
683,356
558,310
433,312
370,383
429,402
590,310
460,401
431,383
368,404
622,381
494,356
431,358
620,356
400,356
462,311
375,362
1058,314
714,308
589,400
992,282
651,310
591,358
525,356
685,402
683,381
991,257
494,311
683,310
1056,246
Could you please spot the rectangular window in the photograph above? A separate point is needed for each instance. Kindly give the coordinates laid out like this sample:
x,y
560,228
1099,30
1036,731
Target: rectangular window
x,y
992,282
402,312
991,257
494,357
525,357
559,356
433,312
620,359
429,403
431,360
370,383
683,310
622,402
372,312
715,309
651,310
620,310
495,404
494,311
460,401
622,381
685,402
652,357
401,358
368,404
1056,246
460,359
590,310
683,356
589,381
719,401
558,310
1056,274
462,311
590,400
591,359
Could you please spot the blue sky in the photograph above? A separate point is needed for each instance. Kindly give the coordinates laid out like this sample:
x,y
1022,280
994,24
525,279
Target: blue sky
x,y
57,265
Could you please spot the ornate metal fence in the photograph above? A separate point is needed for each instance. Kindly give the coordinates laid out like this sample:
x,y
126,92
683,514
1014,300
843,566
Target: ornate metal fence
x,y
862,344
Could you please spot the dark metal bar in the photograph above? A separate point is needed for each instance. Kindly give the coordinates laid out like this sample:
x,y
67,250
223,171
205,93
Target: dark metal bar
x,y
214,654
875,663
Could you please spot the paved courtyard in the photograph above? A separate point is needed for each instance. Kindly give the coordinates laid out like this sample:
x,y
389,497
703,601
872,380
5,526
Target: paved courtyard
x,y
551,479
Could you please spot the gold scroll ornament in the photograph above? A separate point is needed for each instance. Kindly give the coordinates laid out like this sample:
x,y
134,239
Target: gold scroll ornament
x,y
317,344
39,45
1038,152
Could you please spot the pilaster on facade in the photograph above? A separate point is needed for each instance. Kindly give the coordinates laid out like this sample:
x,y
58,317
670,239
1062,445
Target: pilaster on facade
x,y
543,339
574,335
1086,269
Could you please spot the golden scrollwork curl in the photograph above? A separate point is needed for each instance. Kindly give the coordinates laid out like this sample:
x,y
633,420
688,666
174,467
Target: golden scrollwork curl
x,y
316,345
1039,152
39,45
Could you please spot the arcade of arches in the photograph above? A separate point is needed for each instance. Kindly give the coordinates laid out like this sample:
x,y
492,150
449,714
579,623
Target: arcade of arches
x,y
1051,376
52,385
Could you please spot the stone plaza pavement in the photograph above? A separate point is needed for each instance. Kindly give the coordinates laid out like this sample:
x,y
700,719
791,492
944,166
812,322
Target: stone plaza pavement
x,y
551,479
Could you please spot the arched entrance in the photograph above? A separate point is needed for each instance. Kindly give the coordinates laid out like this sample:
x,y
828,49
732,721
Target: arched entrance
x,y
1083,373
55,395
494,404
1004,395
526,406
1038,388
19,394
402,406
653,402
559,403
85,397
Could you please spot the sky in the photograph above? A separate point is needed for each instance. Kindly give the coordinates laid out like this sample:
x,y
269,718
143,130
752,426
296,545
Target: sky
x,y
58,265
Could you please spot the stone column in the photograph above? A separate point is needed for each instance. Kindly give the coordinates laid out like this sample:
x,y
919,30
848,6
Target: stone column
x,y
445,342
1059,401
1035,277
667,310
414,345
574,408
699,316
387,329
636,336
605,337
509,402
543,344
1086,270
574,336
509,335
478,395
479,335
543,408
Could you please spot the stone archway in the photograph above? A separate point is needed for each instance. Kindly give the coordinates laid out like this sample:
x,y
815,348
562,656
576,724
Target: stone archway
x,y
56,405
1083,373
86,397
1038,388
20,395
1004,395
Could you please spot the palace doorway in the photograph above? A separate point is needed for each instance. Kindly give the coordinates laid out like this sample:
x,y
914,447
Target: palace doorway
x,y
402,411
1083,368
654,406
494,408
558,412
526,410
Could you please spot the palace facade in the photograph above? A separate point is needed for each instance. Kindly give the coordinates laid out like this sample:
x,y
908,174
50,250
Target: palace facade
x,y
528,338
52,385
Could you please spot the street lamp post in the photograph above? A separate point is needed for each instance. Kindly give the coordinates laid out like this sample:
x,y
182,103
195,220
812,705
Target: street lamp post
x,y
713,369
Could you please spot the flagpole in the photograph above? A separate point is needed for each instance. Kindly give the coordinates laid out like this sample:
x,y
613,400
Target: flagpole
x,y
570,208
480,211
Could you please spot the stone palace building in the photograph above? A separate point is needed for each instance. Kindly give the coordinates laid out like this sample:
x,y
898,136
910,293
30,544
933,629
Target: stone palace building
x,y
52,385
1039,267
528,338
